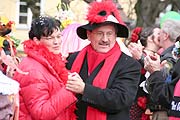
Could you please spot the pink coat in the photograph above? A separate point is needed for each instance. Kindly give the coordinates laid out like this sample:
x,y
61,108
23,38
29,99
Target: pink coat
x,y
71,42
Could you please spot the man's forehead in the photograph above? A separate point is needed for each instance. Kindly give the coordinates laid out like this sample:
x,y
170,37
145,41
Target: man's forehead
x,y
105,27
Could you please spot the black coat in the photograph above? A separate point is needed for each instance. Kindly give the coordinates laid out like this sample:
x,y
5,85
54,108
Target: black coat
x,y
120,93
161,91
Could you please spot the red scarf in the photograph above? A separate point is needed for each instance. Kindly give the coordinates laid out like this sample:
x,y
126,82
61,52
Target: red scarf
x,y
102,77
52,60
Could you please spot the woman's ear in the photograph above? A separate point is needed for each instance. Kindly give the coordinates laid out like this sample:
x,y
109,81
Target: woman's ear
x,y
88,33
37,41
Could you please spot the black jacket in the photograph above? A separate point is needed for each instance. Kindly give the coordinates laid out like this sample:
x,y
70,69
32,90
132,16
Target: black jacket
x,y
120,93
161,91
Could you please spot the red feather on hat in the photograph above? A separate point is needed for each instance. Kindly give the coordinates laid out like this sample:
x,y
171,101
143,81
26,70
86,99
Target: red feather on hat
x,y
99,12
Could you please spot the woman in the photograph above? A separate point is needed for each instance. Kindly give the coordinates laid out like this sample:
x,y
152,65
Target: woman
x,y
43,95
148,45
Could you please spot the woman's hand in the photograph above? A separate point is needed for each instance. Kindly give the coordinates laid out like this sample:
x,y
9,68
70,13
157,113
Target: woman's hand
x,y
75,83
136,49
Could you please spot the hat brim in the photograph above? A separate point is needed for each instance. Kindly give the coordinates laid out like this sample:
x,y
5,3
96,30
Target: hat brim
x,y
122,29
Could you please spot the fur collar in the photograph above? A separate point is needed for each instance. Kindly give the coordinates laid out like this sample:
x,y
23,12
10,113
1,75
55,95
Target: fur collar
x,y
52,61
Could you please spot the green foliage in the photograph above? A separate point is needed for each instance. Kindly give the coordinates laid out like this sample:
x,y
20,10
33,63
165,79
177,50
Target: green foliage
x,y
16,41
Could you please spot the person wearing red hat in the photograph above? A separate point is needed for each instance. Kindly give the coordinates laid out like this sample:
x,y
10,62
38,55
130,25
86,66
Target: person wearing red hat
x,y
104,78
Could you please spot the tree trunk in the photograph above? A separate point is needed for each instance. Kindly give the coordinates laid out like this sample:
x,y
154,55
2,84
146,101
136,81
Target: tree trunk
x,y
148,10
176,5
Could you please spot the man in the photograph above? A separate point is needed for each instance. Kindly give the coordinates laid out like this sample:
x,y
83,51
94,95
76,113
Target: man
x,y
169,33
166,93
104,79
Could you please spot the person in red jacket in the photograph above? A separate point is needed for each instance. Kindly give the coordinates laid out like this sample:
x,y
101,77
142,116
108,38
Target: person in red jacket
x,y
43,95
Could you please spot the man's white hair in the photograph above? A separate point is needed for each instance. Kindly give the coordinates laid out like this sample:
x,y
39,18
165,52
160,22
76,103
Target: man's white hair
x,y
172,27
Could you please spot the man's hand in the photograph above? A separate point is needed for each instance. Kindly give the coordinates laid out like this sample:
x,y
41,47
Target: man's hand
x,y
152,63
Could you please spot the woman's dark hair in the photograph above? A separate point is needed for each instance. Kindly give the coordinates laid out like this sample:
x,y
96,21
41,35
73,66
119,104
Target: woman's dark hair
x,y
145,33
43,26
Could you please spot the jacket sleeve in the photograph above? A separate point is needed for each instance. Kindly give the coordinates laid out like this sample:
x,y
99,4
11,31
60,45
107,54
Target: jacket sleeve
x,y
120,93
40,101
161,91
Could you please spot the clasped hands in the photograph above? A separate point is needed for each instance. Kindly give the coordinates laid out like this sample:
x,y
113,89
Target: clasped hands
x,y
75,83
152,63
136,49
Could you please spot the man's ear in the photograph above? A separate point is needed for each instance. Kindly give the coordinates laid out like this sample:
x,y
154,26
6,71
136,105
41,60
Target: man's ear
x,y
37,41
166,36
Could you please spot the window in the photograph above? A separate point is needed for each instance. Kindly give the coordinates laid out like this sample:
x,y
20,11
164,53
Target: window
x,y
25,14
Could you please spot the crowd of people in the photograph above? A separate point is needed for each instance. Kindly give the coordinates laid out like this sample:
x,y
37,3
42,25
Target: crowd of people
x,y
103,79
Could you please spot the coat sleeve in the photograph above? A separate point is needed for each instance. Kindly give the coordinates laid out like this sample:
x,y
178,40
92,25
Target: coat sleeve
x,y
160,91
38,99
120,92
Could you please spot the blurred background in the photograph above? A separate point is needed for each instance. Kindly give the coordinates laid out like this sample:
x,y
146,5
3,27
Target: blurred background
x,y
134,12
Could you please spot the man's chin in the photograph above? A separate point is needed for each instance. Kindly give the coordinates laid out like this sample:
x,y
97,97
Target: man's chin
x,y
103,50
